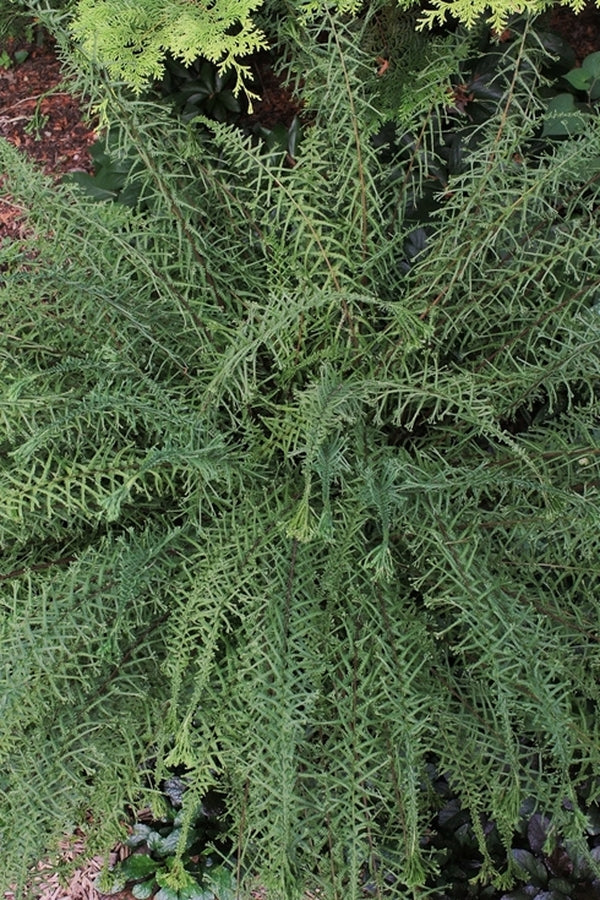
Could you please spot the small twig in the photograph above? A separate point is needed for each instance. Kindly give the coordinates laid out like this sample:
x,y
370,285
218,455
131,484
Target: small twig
x,y
37,97
4,120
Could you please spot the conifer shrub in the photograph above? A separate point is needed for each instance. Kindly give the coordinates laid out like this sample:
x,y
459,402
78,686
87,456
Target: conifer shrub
x,y
299,472
133,39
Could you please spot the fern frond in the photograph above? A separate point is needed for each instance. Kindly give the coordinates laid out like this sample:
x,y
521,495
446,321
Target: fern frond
x,y
289,509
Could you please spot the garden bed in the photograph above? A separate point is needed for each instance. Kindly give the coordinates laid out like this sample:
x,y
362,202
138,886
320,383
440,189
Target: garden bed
x,y
47,124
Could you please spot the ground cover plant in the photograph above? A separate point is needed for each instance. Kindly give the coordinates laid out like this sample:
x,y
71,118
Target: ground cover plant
x,y
299,469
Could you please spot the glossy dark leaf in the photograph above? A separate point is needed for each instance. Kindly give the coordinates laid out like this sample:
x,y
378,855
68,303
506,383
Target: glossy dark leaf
x,y
593,820
166,893
532,866
521,894
452,816
486,87
90,186
587,77
537,832
174,788
164,845
144,889
139,835
222,882
455,155
560,886
138,866
197,892
580,862
563,118
557,47
560,863
294,134
414,244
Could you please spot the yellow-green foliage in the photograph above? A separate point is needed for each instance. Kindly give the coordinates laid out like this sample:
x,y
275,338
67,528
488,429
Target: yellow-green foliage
x,y
468,12
131,38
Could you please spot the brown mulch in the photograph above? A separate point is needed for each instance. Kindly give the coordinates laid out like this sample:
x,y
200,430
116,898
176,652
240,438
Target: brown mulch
x,y
11,216
38,115
581,30
277,104
47,884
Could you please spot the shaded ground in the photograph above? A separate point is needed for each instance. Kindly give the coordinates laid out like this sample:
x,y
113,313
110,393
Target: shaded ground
x,y
48,884
581,31
276,105
40,117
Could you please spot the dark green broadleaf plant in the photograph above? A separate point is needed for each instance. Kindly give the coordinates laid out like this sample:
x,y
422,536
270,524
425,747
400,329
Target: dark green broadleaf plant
x,y
181,856
112,176
200,89
586,78
566,113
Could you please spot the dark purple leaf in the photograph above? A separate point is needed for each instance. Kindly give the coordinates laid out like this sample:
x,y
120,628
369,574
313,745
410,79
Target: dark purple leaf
x,y
560,862
560,886
515,895
526,893
451,815
537,831
593,820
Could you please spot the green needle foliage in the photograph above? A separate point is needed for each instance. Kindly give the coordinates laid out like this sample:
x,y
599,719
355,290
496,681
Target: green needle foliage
x,y
291,506
132,37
